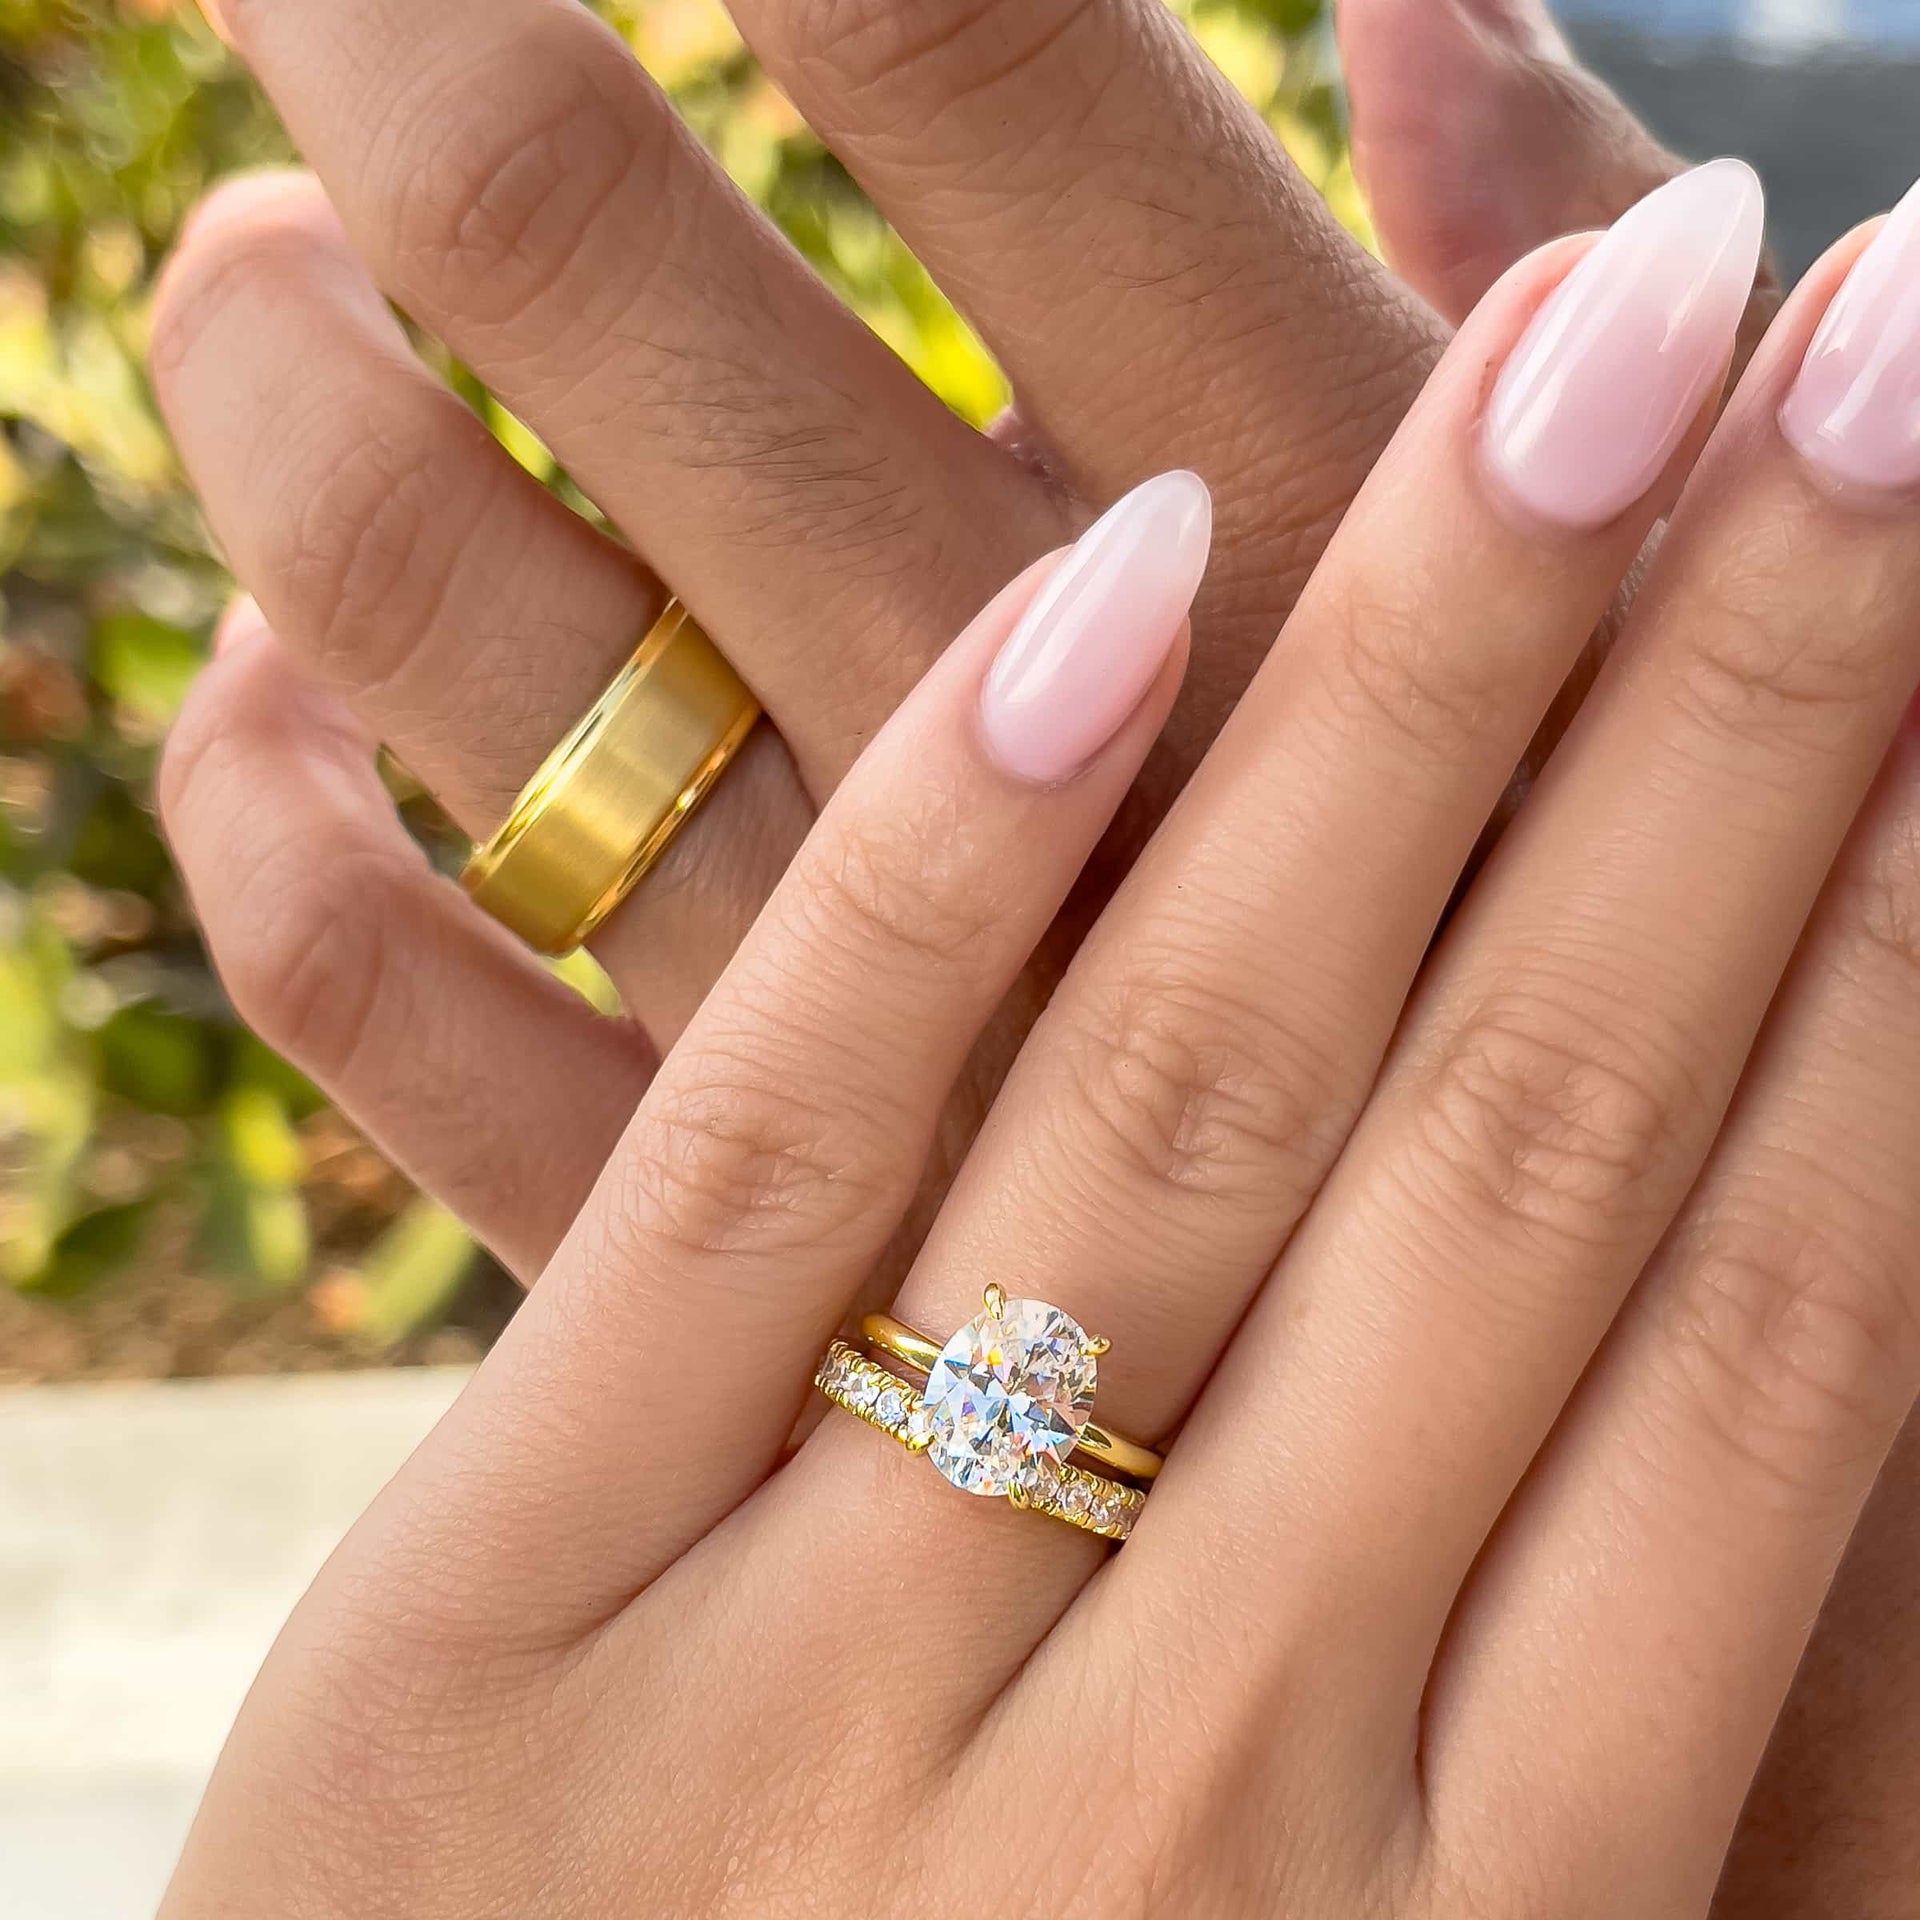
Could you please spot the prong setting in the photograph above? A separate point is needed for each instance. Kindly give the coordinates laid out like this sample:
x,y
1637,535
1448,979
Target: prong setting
x,y
1018,1387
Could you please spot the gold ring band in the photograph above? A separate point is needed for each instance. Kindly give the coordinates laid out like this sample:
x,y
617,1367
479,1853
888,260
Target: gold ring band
x,y
609,798
914,1350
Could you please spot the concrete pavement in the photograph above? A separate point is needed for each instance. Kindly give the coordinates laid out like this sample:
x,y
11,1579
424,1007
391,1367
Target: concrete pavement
x,y
152,1539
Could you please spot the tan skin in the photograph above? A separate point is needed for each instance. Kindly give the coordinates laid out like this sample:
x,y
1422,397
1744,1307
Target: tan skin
x,y
1318,357
1514,1448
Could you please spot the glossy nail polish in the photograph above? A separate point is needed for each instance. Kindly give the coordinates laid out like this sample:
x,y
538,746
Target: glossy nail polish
x,y
1854,410
1623,354
1093,639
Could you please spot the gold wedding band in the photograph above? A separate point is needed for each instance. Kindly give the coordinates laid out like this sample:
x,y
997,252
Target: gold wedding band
x,y
1007,1399
609,798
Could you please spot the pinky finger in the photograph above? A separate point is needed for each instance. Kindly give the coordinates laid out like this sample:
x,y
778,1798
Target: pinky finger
x,y
1644,1606
486,1080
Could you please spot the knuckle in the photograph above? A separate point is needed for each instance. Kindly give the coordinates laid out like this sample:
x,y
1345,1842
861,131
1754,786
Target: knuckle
x,y
494,209
1390,665
859,47
369,540
302,945
1752,665
731,1161
1881,899
904,899
1546,1121
1798,1343
1199,1091
305,956
235,242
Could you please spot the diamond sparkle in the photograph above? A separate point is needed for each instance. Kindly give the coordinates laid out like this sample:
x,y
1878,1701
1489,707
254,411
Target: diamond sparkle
x,y
1008,1396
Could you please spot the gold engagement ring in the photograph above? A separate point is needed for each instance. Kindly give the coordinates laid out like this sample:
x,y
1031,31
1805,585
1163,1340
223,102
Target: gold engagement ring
x,y
1006,1400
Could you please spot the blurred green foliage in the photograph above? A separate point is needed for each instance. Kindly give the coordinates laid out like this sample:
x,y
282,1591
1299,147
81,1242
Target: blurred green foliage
x,y
126,1089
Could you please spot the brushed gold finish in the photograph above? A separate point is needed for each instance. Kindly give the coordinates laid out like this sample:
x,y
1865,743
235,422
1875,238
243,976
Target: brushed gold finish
x,y
608,800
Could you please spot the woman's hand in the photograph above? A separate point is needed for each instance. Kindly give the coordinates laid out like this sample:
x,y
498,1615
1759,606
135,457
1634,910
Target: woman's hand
x,y
1533,1330
1124,232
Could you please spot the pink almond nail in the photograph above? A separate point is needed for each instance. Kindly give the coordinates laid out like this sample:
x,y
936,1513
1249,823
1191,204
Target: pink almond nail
x,y
1854,410
1095,636
1618,362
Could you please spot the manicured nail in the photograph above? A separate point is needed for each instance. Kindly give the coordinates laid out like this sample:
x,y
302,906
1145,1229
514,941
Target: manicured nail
x,y
243,621
1519,26
1854,411
1618,362
1096,635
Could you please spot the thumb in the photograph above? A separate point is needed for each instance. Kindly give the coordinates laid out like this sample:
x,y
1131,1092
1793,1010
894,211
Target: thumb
x,y
1477,136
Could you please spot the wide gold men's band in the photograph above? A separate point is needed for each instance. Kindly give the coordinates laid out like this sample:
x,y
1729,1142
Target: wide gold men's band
x,y
610,797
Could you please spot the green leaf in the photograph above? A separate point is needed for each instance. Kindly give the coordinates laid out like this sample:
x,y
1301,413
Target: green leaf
x,y
46,1095
160,1061
256,1065
256,1237
1290,17
260,1142
145,664
93,1249
255,1228
410,1274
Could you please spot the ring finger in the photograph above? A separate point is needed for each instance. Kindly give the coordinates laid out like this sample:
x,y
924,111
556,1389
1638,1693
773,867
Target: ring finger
x,y
1195,1075
780,1144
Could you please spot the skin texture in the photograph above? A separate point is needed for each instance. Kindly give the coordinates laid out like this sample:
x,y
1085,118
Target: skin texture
x,y
471,650
1498,1513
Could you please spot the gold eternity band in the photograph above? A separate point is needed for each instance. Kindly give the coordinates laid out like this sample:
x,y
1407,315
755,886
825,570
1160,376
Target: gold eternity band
x,y
882,1399
913,1349
609,798
1006,1400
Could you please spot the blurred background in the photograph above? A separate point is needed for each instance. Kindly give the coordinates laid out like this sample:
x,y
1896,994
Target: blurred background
x,y
172,1199
174,1202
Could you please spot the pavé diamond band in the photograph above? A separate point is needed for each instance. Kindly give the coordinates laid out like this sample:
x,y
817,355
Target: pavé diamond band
x,y
1007,1399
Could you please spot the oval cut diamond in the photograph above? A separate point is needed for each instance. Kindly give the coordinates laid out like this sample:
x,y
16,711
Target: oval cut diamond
x,y
1010,1391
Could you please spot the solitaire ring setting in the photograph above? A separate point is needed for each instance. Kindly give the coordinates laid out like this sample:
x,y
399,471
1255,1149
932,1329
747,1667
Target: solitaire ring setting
x,y
1006,1400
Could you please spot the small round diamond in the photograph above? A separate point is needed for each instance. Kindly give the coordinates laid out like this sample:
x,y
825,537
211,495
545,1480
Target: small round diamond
x,y
1041,1482
1012,1388
891,1408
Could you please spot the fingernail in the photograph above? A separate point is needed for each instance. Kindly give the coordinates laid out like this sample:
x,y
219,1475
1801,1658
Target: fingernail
x,y
1524,27
1618,362
238,196
1094,638
1854,410
242,621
